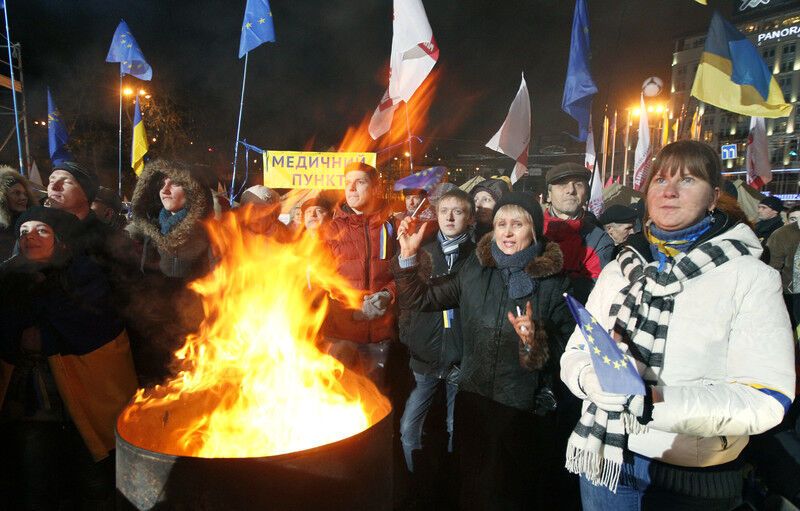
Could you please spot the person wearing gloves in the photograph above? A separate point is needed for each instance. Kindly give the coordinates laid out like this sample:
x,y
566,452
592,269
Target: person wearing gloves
x,y
515,323
703,318
362,239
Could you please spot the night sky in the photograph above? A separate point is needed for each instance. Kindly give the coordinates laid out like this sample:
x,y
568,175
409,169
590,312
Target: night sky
x,y
329,66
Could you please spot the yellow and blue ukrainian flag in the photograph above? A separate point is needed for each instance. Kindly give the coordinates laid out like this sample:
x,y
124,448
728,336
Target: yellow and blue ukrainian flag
x,y
733,76
139,147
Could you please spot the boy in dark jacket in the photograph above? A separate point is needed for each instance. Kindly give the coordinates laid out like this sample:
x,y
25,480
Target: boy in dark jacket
x,y
434,338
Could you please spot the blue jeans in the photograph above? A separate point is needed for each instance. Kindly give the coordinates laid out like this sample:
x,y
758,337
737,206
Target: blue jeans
x,y
641,495
417,406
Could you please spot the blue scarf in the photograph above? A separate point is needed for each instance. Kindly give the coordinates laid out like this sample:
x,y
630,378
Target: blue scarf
x,y
664,245
168,220
513,267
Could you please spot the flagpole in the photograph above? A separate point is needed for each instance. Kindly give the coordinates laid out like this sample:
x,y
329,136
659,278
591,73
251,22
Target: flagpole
x,y
119,142
408,133
605,148
613,145
22,169
238,129
627,141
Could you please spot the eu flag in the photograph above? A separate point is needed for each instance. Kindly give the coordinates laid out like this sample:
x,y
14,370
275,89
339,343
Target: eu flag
x,y
56,133
617,374
257,26
424,179
125,50
579,87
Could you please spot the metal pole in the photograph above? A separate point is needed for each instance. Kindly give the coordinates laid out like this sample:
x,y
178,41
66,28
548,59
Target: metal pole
x,y
238,129
24,110
119,141
408,133
613,145
22,169
627,142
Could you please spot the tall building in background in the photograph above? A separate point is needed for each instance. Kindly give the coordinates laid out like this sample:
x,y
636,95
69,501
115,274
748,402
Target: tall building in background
x,y
774,27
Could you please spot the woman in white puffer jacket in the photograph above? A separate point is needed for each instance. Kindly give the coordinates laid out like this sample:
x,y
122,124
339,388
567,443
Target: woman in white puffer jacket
x,y
704,320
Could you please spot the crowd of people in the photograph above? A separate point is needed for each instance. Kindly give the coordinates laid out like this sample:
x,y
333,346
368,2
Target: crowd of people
x,y
464,293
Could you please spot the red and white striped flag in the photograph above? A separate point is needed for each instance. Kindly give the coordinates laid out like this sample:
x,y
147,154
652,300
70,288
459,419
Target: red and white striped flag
x,y
414,53
644,152
596,196
759,170
514,136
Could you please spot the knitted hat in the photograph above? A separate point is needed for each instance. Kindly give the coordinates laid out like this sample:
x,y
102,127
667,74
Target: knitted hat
x,y
568,169
260,194
497,188
64,224
85,178
527,202
772,202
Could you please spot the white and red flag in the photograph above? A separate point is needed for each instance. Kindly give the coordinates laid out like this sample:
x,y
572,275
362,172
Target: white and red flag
x,y
514,136
596,196
414,53
759,170
644,152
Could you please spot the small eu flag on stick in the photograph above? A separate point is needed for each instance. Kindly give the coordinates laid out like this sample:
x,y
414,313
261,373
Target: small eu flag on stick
x,y
617,373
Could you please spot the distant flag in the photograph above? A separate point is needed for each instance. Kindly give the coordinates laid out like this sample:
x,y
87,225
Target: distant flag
x,y
704,2
616,372
56,133
664,128
139,146
579,88
675,128
643,154
733,76
596,196
125,50
414,53
34,176
694,128
257,26
424,179
759,170
514,136
414,50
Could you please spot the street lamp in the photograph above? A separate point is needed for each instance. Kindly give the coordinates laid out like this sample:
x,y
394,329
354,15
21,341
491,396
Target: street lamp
x,y
127,91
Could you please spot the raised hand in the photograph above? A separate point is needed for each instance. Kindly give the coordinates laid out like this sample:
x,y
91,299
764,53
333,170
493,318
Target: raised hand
x,y
410,234
523,324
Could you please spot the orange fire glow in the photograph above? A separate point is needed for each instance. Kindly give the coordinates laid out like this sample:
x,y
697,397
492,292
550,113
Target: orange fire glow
x,y
251,381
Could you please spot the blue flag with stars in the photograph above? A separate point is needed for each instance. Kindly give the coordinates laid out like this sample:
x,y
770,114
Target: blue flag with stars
x,y
56,133
125,50
424,179
617,374
257,26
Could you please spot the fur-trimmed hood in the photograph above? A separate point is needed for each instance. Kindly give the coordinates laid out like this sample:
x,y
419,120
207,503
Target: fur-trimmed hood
x,y
8,178
550,262
147,204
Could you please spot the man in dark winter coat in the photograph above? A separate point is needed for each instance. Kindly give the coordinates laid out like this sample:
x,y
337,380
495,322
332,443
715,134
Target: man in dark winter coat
x,y
769,217
362,239
434,338
586,246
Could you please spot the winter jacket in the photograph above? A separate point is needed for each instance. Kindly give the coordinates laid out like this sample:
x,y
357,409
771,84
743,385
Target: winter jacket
x,y
586,246
494,363
765,228
184,251
8,178
434,338
82,338
355,242
729,345
782,245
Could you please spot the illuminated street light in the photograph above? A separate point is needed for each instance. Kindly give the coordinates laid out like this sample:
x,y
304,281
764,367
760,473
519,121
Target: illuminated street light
x,y
142,92
127,91
407,154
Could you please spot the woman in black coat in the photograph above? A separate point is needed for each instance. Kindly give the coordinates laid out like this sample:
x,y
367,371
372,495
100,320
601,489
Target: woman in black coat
x,y
515,326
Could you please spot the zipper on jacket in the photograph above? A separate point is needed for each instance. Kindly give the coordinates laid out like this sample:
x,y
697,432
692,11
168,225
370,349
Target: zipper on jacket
x,y
366,269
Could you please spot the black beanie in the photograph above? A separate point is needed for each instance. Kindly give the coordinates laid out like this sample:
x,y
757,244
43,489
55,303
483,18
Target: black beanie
x,y
527,202
64,224
497,188
84,176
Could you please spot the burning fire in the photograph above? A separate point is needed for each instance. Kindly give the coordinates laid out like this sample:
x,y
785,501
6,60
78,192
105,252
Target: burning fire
x,y
251,381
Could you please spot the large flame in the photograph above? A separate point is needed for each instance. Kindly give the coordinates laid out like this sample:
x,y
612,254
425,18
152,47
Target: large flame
x,y
252,381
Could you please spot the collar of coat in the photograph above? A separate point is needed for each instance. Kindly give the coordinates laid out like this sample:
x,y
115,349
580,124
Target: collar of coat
x,y
147,205
550,262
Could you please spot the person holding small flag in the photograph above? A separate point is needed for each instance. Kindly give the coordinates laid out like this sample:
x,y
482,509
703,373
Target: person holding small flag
x,y
514,324
702,320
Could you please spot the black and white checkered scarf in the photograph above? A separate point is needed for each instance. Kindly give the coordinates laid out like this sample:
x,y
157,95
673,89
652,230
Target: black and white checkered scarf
x,y
641,312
